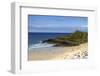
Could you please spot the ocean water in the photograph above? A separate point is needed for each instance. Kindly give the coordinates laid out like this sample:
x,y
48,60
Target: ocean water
x,y
35,39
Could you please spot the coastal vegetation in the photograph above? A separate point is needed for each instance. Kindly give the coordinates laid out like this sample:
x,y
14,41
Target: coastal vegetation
x,y
73,39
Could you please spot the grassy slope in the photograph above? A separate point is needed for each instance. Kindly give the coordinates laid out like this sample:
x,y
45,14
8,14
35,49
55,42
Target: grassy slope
x,y
74,39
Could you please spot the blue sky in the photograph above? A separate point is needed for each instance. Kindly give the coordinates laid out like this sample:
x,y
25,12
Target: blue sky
x,y
54,24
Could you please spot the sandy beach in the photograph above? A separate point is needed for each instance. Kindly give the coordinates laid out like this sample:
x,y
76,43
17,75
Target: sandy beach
x,y
59,53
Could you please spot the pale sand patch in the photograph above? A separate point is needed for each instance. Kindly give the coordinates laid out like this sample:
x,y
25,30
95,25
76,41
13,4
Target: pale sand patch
x,y
58,53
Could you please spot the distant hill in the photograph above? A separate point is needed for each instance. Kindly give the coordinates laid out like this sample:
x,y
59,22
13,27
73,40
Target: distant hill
x,y
73,39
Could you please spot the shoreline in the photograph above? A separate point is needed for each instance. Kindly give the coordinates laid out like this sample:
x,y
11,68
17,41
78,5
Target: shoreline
x,y
41,45
58,53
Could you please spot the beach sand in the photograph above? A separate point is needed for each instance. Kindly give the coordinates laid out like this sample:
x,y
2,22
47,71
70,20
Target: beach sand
x,y
59,53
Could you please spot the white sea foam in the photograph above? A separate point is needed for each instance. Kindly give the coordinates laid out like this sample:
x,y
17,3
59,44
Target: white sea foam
x,y
41,45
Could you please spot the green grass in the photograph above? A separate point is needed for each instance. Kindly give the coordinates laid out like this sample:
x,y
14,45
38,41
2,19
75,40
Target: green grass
x,y
74,39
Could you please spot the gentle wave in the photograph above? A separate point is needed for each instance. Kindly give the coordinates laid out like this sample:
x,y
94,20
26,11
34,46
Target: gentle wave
x,y
41,45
